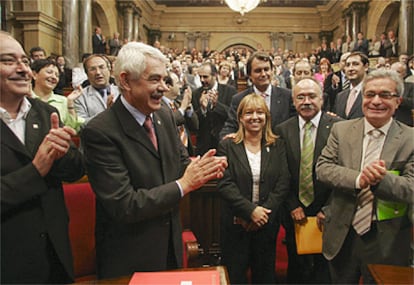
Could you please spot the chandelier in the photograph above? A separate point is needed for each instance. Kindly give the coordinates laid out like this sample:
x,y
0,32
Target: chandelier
x,y
242,6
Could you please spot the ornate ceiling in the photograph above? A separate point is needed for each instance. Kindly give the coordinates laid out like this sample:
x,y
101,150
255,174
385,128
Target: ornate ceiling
x,y
218,3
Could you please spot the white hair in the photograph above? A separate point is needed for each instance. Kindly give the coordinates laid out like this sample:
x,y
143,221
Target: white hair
x,y
132,59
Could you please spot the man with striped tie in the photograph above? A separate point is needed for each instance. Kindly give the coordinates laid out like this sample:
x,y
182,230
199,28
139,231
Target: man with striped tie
x,y
368,162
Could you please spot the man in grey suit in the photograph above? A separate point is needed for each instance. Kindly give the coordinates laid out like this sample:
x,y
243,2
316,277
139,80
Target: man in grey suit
x,y
278,100
139,170
348,102
308,100
100,94
368,180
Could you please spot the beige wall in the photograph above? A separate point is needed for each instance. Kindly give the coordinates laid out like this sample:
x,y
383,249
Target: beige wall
x,y
39,22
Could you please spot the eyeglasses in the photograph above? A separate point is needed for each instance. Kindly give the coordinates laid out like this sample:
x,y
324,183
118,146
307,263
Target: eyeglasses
x,y
386,95
12,61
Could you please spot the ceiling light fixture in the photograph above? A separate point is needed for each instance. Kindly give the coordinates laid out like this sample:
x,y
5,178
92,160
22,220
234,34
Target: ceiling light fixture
x,y
242,6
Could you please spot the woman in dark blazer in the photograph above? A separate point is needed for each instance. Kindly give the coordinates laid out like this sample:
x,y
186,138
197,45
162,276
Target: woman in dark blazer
x,y
253,188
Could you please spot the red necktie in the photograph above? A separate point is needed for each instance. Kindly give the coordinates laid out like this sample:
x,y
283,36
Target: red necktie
x,y
150,131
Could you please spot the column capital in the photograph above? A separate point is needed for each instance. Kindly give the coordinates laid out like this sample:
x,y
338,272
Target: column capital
x,y
274,36
192,35
358,7
127,5
204,35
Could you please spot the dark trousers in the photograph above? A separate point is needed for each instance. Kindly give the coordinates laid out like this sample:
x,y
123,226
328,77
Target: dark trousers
x,y
242,250
305,268
357,252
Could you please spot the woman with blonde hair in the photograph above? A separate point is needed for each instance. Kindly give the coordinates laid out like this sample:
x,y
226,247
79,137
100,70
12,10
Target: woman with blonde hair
x,y
253,188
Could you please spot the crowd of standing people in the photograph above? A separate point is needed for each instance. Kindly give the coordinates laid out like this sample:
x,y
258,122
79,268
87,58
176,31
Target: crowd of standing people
x,y
323,134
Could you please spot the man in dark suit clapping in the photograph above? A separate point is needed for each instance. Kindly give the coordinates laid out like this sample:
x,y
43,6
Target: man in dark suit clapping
x,y
211,102
139,170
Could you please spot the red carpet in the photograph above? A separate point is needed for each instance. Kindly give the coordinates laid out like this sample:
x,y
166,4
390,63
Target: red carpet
x,y
281,257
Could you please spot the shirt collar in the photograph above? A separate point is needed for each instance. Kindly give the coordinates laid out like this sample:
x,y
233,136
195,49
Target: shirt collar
x,y
358,87
268,91
315,120
384,129
138,116
25,107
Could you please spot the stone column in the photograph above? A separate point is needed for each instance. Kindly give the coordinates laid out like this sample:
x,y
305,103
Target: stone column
x,y
355,24
357,9
205,40
406,30
85,27
127,10
135,36
191,40
274,38
289,41
347,17
70,33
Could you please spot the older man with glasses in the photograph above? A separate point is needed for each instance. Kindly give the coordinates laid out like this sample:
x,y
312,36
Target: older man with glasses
x,y
100,94
368,163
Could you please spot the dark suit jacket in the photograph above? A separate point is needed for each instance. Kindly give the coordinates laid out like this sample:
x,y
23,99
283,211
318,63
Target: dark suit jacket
x,y
190,124
98,45
289,131
388,48
339,166
281,108
403,113
332,92
33,212
211,123
340,105
236,185
137,197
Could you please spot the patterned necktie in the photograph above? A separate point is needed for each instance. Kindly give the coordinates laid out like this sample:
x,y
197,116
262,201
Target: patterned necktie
x,y
363,215
351,100
172,106
150,131
345,83
306,194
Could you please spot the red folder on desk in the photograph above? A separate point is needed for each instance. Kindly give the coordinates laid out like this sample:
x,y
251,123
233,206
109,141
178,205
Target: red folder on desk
x,y
204,277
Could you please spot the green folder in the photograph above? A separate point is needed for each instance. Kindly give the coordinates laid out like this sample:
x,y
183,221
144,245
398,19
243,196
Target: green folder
x,y
387,210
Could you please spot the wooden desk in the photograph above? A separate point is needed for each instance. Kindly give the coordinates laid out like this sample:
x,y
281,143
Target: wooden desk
x,y
224,278
388,274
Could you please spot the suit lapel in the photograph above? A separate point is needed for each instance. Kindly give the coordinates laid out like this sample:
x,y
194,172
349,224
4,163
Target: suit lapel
x,y
131,127
33,129
9,139
391,144
241,156
264,160
324,129
293,138
355,142
357,104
